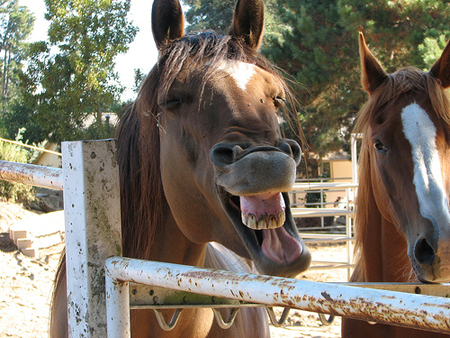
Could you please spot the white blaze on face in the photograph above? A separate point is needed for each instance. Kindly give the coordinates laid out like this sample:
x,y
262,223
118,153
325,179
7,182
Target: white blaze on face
x,y
421,133
241,72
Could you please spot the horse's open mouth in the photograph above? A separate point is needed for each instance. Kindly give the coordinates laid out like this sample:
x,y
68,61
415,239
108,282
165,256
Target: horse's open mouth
x,y
265,225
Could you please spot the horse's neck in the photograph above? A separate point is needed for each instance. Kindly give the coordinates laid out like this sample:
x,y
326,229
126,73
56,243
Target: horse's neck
x,y
170,245
384,251
219,257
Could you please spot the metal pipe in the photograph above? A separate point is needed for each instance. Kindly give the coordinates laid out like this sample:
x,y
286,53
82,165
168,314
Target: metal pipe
x,y
414,311
117,297
30,174
31,147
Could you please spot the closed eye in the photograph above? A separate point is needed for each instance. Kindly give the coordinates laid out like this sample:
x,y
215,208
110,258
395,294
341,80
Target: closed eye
x,y
279,101
170,104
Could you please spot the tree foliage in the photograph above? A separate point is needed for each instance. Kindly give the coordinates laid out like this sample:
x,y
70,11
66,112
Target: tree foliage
x,y
16,24
72,75
15,192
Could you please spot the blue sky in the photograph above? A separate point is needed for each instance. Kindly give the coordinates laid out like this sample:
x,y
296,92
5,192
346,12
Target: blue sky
x,y
142,53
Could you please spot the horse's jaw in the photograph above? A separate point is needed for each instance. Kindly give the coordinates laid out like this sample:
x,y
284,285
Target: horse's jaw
x,y
252,183
277,250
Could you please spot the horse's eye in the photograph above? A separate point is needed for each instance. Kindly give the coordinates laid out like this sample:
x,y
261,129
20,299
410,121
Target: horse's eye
x,y
380,147
170,104
279,101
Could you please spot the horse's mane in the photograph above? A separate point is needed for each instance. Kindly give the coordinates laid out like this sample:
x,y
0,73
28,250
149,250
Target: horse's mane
x,y
404,81
142,197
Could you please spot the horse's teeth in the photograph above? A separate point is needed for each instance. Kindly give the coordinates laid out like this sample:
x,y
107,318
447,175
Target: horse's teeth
x,y
271,222
262,224
251,222
281,218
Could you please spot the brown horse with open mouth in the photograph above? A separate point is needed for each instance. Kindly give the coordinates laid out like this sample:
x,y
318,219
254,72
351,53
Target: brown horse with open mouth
x,y
202,160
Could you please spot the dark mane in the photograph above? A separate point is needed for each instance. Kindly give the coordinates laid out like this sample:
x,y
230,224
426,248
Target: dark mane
x,y
403,81
142,196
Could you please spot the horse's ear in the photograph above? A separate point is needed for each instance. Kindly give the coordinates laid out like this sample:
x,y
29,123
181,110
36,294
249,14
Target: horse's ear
x,y
372,74
167,21
441,69
248,22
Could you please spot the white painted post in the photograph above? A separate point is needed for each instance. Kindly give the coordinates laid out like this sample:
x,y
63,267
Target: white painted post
x,y
92,216
354,151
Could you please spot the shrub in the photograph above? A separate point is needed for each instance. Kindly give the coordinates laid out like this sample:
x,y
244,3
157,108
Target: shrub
x,y
15,192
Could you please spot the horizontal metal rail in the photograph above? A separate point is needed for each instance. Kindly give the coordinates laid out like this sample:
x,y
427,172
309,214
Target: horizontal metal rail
x,y
151,297
325,185
320,212
31,174
389,307
31,147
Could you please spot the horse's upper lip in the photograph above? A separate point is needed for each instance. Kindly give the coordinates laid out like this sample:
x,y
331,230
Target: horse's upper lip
x,y
286,238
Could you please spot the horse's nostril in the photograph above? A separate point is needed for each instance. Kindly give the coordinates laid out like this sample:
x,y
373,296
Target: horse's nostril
x,y
286,148
223,154
293,149
424,252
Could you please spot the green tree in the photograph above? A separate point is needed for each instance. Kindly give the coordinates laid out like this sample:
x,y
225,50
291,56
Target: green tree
x,y
209,14
16,24
72,75
218,14
15,192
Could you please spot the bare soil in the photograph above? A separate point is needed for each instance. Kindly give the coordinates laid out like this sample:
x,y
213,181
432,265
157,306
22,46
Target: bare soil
x,y
26,287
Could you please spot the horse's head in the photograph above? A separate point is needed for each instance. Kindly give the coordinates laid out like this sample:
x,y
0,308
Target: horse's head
x,y
406,126
225,168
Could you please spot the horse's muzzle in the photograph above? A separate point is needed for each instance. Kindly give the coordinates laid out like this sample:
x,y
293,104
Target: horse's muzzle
x,y
244,170
223,154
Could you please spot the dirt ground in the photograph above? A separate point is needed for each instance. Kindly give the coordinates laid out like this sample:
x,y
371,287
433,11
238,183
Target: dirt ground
x,y
26,286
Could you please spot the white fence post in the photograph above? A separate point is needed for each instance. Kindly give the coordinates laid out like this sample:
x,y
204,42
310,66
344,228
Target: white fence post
x,y
92,216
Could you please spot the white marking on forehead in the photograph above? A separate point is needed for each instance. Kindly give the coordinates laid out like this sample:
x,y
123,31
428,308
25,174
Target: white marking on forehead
x,y
421,133
241,72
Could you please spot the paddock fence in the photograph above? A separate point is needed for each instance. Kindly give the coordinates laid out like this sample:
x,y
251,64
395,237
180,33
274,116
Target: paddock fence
x,y
102,285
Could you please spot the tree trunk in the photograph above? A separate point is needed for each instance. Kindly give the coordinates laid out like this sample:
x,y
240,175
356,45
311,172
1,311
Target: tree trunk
x,y
4,81
99,121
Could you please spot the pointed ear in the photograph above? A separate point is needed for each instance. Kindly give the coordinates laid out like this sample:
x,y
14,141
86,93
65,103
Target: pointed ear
x,y
167,21
441,69
372,74
248,22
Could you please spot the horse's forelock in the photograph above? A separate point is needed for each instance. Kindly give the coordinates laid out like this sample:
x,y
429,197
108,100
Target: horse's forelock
x,y
405,80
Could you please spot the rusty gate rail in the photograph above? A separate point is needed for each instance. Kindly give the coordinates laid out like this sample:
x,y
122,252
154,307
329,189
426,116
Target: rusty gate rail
x,y
31,174
410,310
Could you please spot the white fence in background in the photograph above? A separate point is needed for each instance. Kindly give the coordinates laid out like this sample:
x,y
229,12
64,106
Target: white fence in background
x,y
99,295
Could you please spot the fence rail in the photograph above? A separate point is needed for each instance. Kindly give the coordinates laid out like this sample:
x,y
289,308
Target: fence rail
x,y
403,309
31,147
31,174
